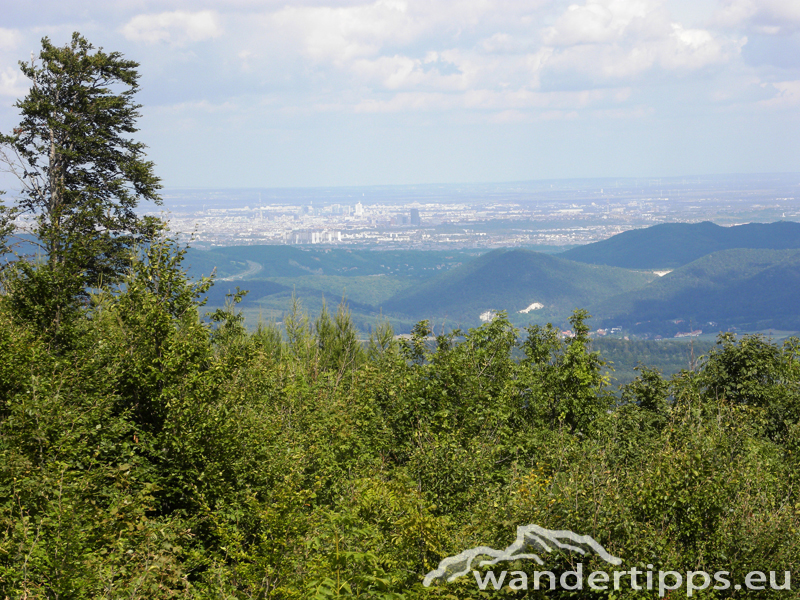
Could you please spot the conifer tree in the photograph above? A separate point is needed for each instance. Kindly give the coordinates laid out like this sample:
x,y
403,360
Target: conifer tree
x,y
81,174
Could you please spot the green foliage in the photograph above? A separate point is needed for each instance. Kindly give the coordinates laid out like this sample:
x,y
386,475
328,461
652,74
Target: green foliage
x,y
649,391
381,342
80,174
7,216
563,380
44,297
755,373
76,493
161,455
337,344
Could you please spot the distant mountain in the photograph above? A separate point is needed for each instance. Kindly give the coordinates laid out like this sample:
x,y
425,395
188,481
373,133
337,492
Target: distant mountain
x,y
672,245
756,289
513,280
748,288
266,261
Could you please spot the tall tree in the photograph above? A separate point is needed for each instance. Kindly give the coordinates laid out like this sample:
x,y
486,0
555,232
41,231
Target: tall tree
x,y
6,225
81,174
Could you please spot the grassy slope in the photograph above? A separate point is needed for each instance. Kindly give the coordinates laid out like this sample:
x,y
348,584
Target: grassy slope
x,y
738,287
672,245
511,280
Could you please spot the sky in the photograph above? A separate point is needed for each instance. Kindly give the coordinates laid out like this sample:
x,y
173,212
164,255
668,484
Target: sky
x,y
252,93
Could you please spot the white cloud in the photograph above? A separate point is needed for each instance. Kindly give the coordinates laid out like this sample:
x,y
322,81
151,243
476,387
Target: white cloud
x,y
788,94
445,71
282,72
508,102
417,55
175,28
601,21
503,43
406,46
339,34
12,83
9,38
697,48
625,38
769,17
483,55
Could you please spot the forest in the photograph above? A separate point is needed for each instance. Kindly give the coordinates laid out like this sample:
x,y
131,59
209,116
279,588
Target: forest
x,y
153,448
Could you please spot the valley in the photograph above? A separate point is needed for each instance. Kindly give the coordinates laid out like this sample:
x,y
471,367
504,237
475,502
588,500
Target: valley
x,y
659,296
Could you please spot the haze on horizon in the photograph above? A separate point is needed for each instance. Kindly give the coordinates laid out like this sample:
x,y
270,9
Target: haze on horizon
x,y
326,93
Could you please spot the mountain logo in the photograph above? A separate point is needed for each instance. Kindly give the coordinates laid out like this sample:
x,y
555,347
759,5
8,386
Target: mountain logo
x,y
529,537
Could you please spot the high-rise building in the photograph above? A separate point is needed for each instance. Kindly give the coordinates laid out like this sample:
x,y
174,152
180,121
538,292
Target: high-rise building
x,y
415,220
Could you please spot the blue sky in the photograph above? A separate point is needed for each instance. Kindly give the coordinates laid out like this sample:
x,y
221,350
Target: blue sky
x,y
274,94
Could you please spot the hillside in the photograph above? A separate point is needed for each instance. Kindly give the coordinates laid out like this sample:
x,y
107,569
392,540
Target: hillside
x,y
512,280
256,290
262,262
273,274
743,288
672,245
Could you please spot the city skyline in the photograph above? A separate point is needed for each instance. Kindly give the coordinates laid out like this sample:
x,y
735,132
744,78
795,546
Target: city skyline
x,y
539,214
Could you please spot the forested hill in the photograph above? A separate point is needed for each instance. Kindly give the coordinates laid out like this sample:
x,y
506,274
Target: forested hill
x,y
672,245
512,280
740,287
260,262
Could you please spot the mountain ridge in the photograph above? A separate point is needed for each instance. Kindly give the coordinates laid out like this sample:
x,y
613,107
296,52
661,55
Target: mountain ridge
x,y
511,280
671,245
736,287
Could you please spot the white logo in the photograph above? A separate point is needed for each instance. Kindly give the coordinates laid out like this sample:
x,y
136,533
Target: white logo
x,y
528,537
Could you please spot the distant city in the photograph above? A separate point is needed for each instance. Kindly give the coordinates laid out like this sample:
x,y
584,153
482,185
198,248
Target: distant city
x,y
557,214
